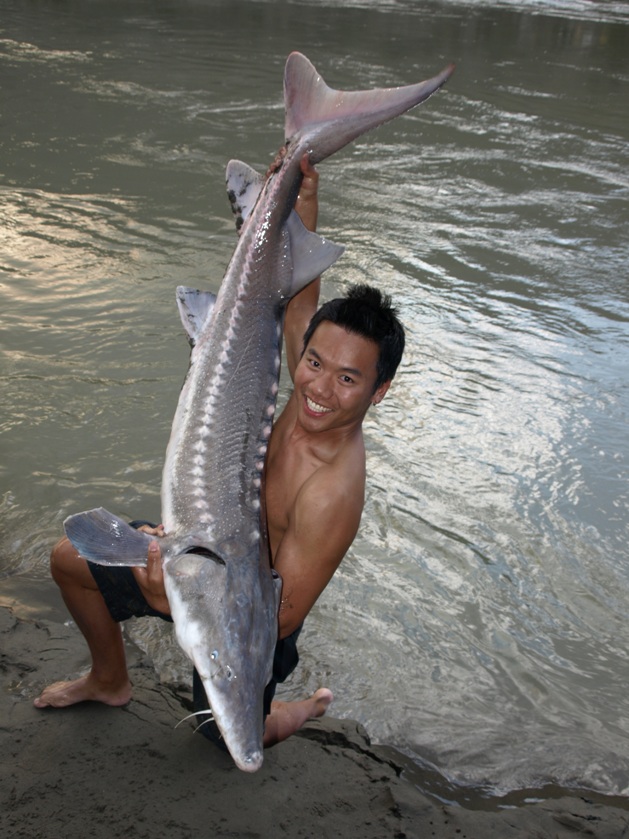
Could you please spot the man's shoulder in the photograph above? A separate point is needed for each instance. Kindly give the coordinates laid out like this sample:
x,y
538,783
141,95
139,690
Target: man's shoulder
x,y
349,460
338,479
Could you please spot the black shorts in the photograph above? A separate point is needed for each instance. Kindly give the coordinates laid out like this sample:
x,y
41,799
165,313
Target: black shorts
x,y
124,599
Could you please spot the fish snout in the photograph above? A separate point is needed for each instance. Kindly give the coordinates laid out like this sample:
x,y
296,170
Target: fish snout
x,y
250,762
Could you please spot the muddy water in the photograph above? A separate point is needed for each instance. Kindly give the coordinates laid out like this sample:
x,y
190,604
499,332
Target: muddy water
x,y
479,621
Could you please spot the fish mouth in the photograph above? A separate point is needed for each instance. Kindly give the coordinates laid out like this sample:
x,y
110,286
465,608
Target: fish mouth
x,y
316,408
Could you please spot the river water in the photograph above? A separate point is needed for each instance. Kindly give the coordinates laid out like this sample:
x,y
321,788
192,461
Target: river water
x,y
479,622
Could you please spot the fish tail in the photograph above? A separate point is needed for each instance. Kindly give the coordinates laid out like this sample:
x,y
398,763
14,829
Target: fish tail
x,y
330,119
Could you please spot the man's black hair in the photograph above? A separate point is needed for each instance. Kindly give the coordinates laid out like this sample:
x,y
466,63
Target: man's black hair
x,y
368,312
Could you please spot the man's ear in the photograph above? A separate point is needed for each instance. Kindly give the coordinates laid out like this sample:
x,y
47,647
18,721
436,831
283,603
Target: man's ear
x,y
379,393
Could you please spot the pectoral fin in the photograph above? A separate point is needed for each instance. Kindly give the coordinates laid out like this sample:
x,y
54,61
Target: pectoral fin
x,y
105,539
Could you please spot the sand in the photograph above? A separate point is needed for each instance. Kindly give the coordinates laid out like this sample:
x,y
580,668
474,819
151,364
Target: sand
x,y
94,771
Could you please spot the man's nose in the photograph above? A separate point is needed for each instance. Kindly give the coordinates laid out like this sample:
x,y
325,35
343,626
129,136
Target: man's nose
x,y
323,384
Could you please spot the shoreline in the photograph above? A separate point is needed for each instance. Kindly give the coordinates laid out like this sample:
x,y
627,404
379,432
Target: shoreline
x,y
92,770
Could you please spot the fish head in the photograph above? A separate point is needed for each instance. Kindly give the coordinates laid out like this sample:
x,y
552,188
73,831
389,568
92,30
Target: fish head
x,y
225,616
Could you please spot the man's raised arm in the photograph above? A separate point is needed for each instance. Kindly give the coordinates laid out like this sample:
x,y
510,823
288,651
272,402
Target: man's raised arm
x,y
303,306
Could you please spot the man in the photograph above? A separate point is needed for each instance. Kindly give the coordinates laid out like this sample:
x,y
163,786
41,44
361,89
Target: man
x,y
341,361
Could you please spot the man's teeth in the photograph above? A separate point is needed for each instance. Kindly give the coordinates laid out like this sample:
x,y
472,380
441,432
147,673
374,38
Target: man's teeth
x,y
319,409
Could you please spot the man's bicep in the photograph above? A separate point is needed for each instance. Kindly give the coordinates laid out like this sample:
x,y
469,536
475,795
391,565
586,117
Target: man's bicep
x,y
307,557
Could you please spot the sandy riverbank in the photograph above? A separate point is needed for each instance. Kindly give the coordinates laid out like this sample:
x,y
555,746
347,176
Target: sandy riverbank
x,y
92,771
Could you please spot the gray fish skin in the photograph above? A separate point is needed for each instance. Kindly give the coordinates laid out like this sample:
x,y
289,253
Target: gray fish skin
x,y
223,595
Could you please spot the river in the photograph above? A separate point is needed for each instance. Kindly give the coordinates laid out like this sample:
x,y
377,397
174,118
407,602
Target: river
x,y
479,622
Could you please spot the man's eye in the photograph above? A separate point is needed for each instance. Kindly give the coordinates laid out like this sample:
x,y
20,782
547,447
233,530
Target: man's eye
x,y
347,380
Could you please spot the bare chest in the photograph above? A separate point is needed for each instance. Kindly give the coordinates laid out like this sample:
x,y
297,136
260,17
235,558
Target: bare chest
x,y
287,471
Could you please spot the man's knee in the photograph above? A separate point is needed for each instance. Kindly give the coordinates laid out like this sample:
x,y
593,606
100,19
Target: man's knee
x,y
66,565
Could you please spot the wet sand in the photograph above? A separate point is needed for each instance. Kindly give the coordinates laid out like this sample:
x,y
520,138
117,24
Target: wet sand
x,y
93,771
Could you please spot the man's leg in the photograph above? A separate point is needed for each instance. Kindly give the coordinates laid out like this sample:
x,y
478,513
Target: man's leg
x,y
108,680
288,717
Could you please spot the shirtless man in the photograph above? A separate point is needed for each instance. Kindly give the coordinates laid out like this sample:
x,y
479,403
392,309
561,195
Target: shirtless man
x,y
341,361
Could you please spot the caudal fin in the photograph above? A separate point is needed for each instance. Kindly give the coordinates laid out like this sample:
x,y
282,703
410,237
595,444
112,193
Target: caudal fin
x,y
332,118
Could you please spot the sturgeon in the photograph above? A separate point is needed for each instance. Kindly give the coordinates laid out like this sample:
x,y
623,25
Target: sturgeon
x,y
223,594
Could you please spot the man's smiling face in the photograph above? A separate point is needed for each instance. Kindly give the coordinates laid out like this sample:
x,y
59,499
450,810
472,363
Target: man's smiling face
x,y
335,378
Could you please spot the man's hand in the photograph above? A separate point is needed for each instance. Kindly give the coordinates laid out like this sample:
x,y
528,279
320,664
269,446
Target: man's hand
x,y
307,204
151,578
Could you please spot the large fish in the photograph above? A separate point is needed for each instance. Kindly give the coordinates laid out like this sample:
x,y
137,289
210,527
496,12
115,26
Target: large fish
x,y
222,592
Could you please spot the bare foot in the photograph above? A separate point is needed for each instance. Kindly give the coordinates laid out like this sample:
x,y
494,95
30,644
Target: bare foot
x,y
63,694
288,717
321,699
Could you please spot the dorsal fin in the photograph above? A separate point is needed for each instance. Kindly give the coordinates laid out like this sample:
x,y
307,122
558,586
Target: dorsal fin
x,y
244,185
194,309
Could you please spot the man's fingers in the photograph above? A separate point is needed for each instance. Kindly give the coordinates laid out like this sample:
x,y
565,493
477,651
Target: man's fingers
x,y
307,169
154,563
311,177
153,531
306,204
151,579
